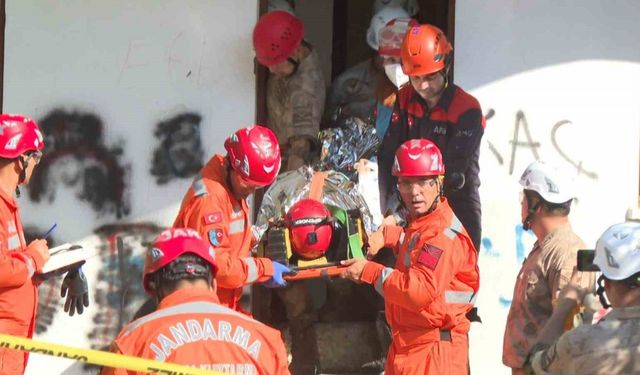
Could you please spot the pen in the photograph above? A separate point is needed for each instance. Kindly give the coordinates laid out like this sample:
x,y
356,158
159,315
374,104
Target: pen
x,y
49,231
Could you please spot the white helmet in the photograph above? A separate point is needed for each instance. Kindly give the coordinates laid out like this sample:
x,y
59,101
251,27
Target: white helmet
x,y
553,185
411,6
618,251
379,20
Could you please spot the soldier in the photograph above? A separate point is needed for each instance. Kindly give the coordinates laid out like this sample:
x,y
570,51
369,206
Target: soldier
x,y
611,345
545,206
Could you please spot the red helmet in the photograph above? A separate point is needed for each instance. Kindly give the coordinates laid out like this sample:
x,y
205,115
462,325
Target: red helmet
x,y
424,50
254,153
276,36
18,134
418,158
171,244
309,222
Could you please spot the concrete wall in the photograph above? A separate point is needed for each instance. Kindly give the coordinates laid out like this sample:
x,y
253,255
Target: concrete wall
x,y
122,68
566,73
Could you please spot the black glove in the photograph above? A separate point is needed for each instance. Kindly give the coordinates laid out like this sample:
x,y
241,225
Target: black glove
x,y
76,289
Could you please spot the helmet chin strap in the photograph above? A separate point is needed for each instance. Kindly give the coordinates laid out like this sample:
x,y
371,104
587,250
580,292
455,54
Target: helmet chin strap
x,y
434,204
604,301
531,211
23,173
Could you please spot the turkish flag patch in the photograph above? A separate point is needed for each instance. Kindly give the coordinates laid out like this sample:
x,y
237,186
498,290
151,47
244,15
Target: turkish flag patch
x,y
212,218
429,256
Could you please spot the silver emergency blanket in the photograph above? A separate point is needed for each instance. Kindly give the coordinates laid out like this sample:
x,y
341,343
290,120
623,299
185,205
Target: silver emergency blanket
x,y
294,185
341,147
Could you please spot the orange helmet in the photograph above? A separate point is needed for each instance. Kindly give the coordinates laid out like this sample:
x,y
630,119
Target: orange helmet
x,y
311,228
425,50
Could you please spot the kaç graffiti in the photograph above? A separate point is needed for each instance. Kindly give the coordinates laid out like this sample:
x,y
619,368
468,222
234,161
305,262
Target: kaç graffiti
x,y
179,154
77,157
530,143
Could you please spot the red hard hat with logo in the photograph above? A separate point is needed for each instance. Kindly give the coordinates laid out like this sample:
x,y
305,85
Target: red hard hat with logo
x,y
18,135
276,36
310,225
170,245
418,158
424,50
254,153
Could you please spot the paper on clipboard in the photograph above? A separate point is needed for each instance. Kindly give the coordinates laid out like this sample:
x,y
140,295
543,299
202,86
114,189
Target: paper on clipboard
x,y
64,256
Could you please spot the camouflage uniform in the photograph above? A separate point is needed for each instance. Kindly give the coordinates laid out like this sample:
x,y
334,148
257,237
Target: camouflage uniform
x,y
294,106
355,91
609,347
546,270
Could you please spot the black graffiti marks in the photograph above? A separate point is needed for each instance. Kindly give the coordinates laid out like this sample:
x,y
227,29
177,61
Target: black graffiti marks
x,y
530,143
76,156
179,153
119,291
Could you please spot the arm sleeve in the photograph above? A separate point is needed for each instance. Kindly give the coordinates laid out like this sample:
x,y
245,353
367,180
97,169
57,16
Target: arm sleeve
x,y
552,360
419,285
17,267
306,114
233,271
464,141
393,138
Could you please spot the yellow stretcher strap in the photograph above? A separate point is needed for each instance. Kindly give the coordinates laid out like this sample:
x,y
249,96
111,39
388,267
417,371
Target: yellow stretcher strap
x,y
98,357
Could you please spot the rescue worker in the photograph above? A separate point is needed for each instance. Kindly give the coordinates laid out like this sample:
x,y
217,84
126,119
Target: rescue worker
x,y
611,345
436,109
295,87
295,101
190,326
215,205
355,92
545,205
436,278
21,143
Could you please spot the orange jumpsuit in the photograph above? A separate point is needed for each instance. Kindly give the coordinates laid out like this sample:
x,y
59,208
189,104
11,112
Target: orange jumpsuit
x,y
18,291
428,294
210,208
191,328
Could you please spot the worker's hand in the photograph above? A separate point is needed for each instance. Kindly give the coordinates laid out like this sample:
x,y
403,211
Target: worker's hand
x,y
354,268
277,280
76,289
389,220
574,290
40,249
375,242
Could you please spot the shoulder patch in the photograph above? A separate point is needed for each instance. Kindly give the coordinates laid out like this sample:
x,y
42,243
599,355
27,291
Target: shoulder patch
x,y
429,256
212,218
215,237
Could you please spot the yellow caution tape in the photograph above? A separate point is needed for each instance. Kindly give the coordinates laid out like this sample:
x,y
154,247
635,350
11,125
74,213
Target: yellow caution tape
x,y
98,357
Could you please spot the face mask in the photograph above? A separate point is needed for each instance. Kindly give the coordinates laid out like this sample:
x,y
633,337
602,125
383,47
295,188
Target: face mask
x,y
395,74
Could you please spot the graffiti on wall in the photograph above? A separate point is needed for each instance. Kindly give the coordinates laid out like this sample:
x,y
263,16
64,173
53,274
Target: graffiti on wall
x,y
179,152
523,139
77,157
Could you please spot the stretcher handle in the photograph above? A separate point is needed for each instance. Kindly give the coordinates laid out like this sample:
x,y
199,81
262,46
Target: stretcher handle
x,y
315,273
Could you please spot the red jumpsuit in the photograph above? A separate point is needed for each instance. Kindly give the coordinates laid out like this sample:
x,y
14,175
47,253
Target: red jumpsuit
x,y
210,208
18,291
191,328
428,294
